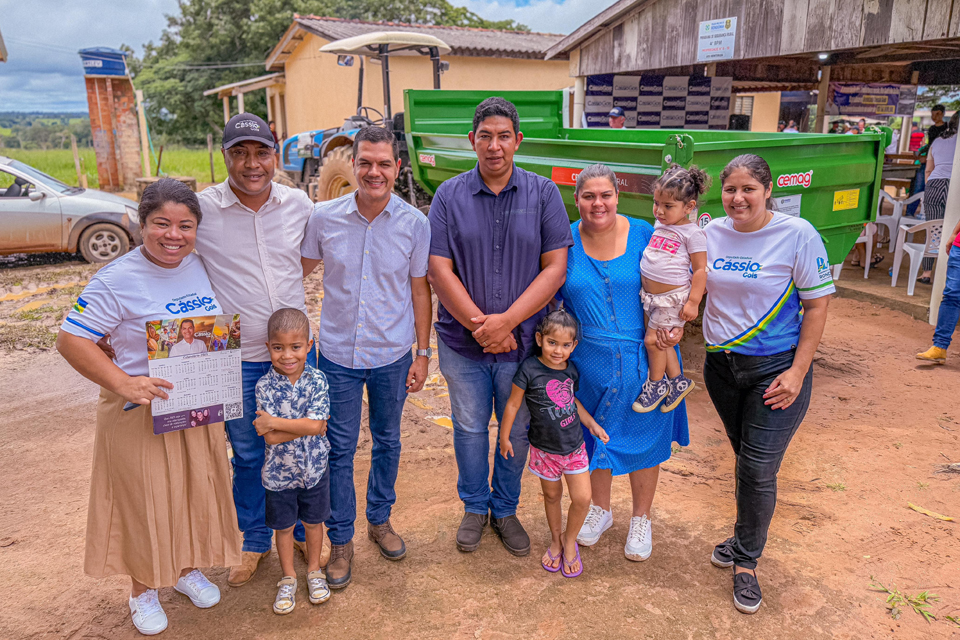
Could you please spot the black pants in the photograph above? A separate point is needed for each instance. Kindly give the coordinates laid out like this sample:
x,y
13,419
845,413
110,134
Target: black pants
x,y
759,436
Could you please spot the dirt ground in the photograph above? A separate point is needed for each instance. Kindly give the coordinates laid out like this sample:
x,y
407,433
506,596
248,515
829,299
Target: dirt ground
x,y
880,428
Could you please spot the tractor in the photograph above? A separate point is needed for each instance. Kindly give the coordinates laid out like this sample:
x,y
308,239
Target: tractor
x,y
321,161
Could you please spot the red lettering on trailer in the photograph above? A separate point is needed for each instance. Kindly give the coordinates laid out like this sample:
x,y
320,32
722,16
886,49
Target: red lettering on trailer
x,y
430,159
795,179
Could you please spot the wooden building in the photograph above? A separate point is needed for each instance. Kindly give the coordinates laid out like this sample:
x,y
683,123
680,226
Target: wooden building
x,y
313,92
779,45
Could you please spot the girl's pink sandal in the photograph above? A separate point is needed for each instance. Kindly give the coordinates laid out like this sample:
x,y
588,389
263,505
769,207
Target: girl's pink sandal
x,y
564,564
553,558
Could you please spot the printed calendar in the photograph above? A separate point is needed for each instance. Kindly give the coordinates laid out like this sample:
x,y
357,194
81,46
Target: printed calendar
x,y
200,356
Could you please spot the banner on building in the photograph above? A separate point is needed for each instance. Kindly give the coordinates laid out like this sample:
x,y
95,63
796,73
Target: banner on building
x,y
661,102
871,100
716,40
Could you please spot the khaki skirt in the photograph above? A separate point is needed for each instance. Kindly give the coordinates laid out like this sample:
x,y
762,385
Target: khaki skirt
x,y
158,503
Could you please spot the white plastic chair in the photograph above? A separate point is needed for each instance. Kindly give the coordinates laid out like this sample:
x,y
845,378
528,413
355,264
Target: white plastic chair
x,y
916,250
866,238
894,220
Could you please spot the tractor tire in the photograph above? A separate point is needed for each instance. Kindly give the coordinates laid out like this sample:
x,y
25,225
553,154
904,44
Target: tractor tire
x,y
336,175
282,177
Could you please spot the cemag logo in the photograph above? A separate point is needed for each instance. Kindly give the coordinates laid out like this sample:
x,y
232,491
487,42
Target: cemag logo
x,y
795,179
427,158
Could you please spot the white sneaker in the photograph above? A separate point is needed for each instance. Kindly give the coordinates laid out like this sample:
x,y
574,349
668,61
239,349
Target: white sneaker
x,y
147,614
317,587
598,520
639,540
202,593
286,598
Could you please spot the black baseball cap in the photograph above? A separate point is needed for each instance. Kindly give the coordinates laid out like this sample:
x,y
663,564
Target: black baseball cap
x,y
616,112
245,127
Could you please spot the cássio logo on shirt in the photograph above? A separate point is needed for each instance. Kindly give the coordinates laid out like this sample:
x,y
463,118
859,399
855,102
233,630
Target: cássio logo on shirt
x,y
190,302
743,264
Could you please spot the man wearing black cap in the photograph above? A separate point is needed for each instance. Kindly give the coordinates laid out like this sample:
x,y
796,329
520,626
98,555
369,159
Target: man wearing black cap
x,y
617,118
250,245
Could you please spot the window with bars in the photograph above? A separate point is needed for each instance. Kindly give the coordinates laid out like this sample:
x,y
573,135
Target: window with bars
x,y
743,105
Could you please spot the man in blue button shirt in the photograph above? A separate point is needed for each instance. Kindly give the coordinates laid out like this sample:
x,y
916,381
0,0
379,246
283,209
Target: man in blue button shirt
x,y
376,303
498,254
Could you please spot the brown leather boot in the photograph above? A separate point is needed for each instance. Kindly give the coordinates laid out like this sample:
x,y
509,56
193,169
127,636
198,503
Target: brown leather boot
x,y
391,545
242,573
338,569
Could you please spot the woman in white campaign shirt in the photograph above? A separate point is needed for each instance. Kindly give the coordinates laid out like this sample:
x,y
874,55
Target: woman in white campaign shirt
x,y
762,269
160,505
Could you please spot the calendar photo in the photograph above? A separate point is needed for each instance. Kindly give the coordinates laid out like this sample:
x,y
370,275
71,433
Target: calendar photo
x,y
200,355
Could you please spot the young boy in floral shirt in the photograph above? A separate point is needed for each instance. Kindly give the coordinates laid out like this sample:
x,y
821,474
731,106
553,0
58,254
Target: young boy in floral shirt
x,y
293,407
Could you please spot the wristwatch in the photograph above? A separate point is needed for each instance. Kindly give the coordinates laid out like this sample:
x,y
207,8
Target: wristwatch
x,y
426,353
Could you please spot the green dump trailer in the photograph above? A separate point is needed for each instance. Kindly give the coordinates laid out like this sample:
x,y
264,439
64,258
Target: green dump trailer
x,y
831,180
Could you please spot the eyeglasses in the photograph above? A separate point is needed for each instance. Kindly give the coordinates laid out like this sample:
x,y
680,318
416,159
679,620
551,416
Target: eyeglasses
x,y
240,154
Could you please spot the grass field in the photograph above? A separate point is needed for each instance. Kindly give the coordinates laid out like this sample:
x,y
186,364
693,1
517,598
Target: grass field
x,y
177,161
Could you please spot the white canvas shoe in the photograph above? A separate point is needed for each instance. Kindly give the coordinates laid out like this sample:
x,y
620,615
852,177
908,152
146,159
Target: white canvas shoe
x,y
639,540
147,614
202,593
598,520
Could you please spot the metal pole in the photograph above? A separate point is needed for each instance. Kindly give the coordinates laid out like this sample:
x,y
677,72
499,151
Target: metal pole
x,y
240,103
435,59
360,87
949,222
226,109
822,95
385,68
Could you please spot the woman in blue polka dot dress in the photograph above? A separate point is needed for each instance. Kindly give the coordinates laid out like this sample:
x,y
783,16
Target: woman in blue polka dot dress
x,y
602,291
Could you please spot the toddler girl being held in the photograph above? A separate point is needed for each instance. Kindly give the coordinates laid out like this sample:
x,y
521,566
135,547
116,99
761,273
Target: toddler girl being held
x,y
673,273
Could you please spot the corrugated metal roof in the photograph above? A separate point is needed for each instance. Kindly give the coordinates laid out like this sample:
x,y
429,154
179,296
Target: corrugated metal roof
x,y
464,41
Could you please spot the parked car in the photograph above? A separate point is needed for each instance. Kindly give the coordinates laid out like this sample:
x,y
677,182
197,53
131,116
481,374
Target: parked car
x,y
38,213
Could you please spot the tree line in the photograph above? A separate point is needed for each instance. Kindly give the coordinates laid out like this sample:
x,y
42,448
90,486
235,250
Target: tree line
x,y
171,72
43,130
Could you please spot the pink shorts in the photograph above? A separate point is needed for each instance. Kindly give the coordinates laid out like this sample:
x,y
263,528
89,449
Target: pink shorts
x,y
550,466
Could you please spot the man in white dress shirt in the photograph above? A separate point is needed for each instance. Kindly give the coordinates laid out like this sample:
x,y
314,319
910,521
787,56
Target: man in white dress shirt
x,y
250,245
189,343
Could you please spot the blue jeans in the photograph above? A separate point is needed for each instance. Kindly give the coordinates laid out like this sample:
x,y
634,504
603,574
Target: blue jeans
x,y
759,436
248,454
918,184
386,393
477,388
950,305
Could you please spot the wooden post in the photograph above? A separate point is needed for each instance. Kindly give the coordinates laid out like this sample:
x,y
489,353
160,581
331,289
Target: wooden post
x,y
76,159
821,122
226,109
240,103
950,221
906,124
83,174
579,95
144,140
213,177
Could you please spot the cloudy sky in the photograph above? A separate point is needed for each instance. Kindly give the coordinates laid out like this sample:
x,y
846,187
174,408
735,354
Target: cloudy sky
x,y
43,72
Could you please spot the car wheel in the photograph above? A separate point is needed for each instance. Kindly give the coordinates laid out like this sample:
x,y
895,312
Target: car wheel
x,y
103,242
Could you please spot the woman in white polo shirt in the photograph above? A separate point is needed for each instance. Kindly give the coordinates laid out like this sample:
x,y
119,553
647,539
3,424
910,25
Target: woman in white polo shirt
x,y
767,291
160,505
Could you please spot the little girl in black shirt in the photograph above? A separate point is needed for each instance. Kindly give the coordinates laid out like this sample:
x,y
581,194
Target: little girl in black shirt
x,y
548,382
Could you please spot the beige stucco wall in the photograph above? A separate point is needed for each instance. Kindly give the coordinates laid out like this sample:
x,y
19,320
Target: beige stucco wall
x,y
766,111
320,94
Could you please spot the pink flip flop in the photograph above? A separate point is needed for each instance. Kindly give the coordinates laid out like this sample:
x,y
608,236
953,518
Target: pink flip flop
x,y
552,558
564,563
